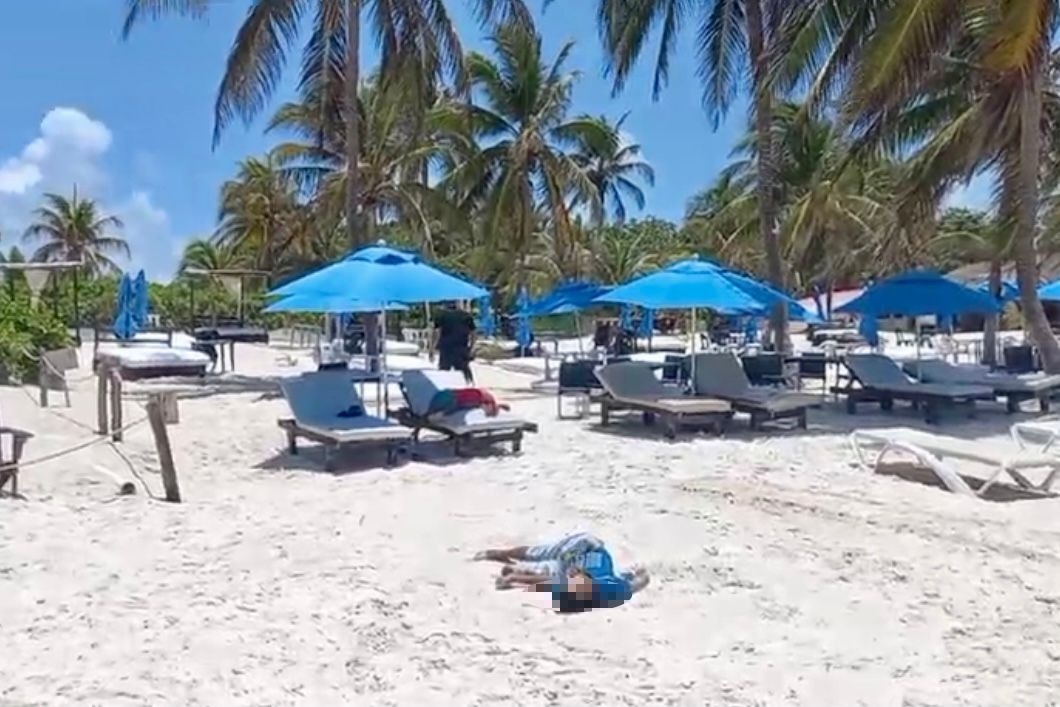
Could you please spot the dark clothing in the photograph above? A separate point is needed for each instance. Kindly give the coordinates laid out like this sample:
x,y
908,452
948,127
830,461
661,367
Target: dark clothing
x,y
455,361
454,327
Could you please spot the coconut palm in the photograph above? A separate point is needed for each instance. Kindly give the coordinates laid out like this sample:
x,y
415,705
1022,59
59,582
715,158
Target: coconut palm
x,y
259,212
408,32
205,254
614,167
975,78
737,44
520,117
393,150
74,229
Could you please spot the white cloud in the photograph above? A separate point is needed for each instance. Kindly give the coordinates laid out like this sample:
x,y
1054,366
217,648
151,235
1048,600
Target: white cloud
x,y
70,150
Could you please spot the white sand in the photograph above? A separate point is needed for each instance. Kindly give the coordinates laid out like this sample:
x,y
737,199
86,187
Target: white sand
x,y
781,574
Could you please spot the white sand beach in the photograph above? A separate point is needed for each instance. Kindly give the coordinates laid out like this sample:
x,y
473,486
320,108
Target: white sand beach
x,y
781,573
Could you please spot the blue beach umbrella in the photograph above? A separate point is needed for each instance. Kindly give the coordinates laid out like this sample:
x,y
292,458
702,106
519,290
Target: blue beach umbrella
x,y
750,330
328,304
567,298
869,329
688,284
380,273
141,292
124,316
625,318
522,316
918,293
487,321
647,323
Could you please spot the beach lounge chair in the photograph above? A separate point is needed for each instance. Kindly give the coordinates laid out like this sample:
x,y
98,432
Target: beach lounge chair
x,y
882,381
633,386
1042,434
463,427
1013,388
931,449
325,407
720,375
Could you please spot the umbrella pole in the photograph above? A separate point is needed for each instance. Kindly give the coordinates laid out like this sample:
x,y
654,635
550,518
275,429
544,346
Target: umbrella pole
x,y
692,367
382,402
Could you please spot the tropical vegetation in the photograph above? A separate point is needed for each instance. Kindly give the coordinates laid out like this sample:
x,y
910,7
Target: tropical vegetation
x,y
862,117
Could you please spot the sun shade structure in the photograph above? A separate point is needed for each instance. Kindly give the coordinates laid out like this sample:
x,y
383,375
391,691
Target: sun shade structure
x,y
328,304
487,320
920,293
1050,291
523,333
696,283
125,326
379,273
567,298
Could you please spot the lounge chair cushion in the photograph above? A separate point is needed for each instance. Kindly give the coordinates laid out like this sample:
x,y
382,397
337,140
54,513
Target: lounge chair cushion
x,y
722,376
881,373
636,383
320,402
939,371
420,388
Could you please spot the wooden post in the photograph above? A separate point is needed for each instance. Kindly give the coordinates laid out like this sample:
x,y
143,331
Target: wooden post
x,y
102,376
115,406
41,381
165,453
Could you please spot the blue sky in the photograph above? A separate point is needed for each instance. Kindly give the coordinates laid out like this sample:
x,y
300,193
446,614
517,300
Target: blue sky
x,y
130,122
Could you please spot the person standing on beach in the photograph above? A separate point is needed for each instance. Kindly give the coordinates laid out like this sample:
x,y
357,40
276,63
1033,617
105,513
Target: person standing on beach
x,y
453,339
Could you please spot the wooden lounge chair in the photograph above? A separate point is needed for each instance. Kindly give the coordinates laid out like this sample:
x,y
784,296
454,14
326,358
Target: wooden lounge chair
x,y
322,403
464,427
720,375
633,386
1013,388
882,381
930,450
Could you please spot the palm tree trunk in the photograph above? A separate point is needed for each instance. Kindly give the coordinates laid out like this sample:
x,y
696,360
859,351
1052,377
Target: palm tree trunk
x,y
992,321
353,128
1026,222
766,187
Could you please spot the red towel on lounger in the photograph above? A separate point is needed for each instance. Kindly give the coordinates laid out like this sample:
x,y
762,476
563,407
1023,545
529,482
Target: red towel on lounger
x,y
447,401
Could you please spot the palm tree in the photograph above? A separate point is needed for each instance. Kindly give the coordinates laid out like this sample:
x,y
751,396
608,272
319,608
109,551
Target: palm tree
x,y
205,254
976,77
408,32
520,119
393,150
738,42
73,229
614,167
259,212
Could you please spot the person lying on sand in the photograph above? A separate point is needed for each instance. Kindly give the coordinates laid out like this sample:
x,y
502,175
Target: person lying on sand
x,y
577,569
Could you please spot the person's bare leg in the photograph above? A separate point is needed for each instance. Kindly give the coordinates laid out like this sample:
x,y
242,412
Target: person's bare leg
x,y
507,555
507,580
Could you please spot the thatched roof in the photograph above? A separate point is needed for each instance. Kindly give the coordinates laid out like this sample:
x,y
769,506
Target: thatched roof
x,y
1048,270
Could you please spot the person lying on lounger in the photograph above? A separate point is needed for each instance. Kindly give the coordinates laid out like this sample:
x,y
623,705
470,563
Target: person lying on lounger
x,y
577,570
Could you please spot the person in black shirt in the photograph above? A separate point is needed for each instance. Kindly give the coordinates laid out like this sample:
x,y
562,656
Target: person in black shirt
x,y
453,338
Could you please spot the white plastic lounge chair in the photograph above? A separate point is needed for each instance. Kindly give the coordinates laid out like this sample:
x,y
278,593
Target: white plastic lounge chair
x,y
883,381
1041,434
463,427
1014,388
633,386
720,375
316,401
930,450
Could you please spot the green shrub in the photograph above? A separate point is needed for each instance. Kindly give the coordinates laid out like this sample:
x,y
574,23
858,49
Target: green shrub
x,y
25,331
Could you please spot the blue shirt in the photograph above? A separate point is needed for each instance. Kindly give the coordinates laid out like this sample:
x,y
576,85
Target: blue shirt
x,y
609,588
